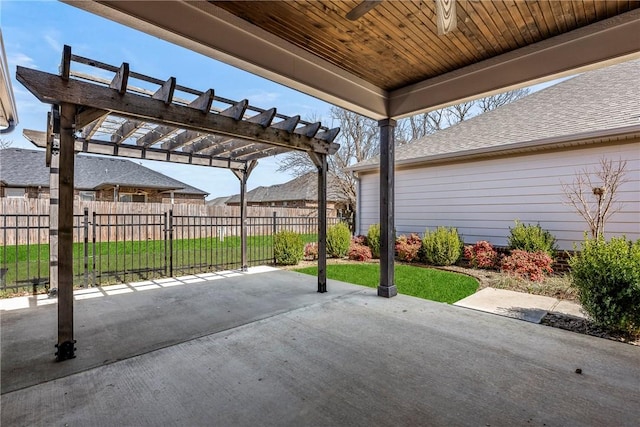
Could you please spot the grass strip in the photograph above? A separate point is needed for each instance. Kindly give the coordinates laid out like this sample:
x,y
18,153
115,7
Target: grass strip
x,y
426,283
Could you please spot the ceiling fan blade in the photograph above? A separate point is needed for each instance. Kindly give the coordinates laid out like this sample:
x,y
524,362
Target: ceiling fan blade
x,y
361,9
446,16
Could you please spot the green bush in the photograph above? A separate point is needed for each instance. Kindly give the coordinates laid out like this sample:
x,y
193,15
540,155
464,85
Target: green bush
x,y
338,240
442,247
288,247
373,240
532,238
607,276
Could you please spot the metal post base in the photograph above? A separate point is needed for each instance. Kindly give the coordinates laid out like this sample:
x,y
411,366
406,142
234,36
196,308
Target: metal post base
x,y
322,287
66,350
245,268
387,291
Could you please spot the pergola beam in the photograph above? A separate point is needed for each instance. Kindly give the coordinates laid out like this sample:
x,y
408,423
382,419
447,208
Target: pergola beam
x,y
52,89
125,131
94,146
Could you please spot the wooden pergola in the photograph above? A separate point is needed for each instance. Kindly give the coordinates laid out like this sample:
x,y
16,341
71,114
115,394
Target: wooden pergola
x,y
117,118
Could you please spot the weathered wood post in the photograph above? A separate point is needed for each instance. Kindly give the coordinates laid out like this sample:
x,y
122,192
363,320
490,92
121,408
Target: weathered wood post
x,y
320,161
66,343
243,176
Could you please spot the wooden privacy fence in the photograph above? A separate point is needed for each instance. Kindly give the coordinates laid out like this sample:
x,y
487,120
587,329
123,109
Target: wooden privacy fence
x,y
26,221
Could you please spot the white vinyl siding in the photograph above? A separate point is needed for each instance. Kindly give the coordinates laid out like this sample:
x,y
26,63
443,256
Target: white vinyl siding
x,y
483,198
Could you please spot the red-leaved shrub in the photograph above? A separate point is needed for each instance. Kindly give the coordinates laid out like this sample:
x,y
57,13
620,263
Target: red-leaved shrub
x,y
528,265
311,251
408,247
481,255
359,240
359,252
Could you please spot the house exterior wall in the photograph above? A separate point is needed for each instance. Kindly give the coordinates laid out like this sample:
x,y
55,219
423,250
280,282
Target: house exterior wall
x,y
482,198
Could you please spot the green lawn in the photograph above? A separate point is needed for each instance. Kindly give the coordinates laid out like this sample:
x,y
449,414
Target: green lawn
x,y
427,283
120,261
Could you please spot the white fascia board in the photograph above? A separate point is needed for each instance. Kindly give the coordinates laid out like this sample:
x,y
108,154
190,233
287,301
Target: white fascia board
x,y
214,32
597,45
624,134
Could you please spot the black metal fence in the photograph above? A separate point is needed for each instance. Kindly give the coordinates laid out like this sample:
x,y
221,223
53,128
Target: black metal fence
x,y
115,247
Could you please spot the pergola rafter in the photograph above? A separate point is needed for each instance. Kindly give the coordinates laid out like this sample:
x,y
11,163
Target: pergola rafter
x,y
160,123
112,117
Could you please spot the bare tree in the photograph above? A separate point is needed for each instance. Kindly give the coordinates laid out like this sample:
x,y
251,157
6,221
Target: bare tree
x,y
593,194
5,143
418,126
460,112
494,101
358,141
421,125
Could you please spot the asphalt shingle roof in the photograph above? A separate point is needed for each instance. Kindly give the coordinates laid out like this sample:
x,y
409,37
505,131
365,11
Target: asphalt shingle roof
x,y
599,100
21,168
304,187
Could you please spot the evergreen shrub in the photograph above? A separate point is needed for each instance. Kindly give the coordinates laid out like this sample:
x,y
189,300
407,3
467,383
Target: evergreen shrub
x,y
338,240
531,238
607,276
288,247
442,246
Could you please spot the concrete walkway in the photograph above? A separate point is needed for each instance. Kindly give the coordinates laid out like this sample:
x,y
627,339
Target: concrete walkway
x,y
266,349
531,308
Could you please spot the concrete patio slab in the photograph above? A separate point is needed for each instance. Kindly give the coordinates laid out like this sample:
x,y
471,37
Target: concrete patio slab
x,y
266,349
123,321
569,308
531,308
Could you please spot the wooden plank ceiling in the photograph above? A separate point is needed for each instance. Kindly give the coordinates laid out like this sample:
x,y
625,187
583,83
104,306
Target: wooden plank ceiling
x,y
398,40
137,116
391,61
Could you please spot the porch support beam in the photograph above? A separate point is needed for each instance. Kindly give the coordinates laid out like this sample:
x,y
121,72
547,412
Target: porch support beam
x,y
387,287
243,176
320,161
66,343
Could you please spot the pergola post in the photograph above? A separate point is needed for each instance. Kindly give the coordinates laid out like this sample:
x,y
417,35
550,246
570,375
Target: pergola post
x,y
66,343
243,176
320,161
387,287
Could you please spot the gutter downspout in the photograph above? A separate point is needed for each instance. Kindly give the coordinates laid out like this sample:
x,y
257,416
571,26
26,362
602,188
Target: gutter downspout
x,y
358,222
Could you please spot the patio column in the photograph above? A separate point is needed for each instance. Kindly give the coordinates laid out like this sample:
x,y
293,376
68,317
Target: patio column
x,y
320,161
387,287
66,343
243,176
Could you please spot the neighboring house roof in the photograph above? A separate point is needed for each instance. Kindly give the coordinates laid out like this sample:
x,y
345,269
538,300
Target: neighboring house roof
x,y
593,107
304,187
218,201
26,168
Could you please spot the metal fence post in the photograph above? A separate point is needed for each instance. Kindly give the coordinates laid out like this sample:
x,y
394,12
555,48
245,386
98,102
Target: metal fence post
x,y
166,236
273,236
93,249
86,247
170,242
